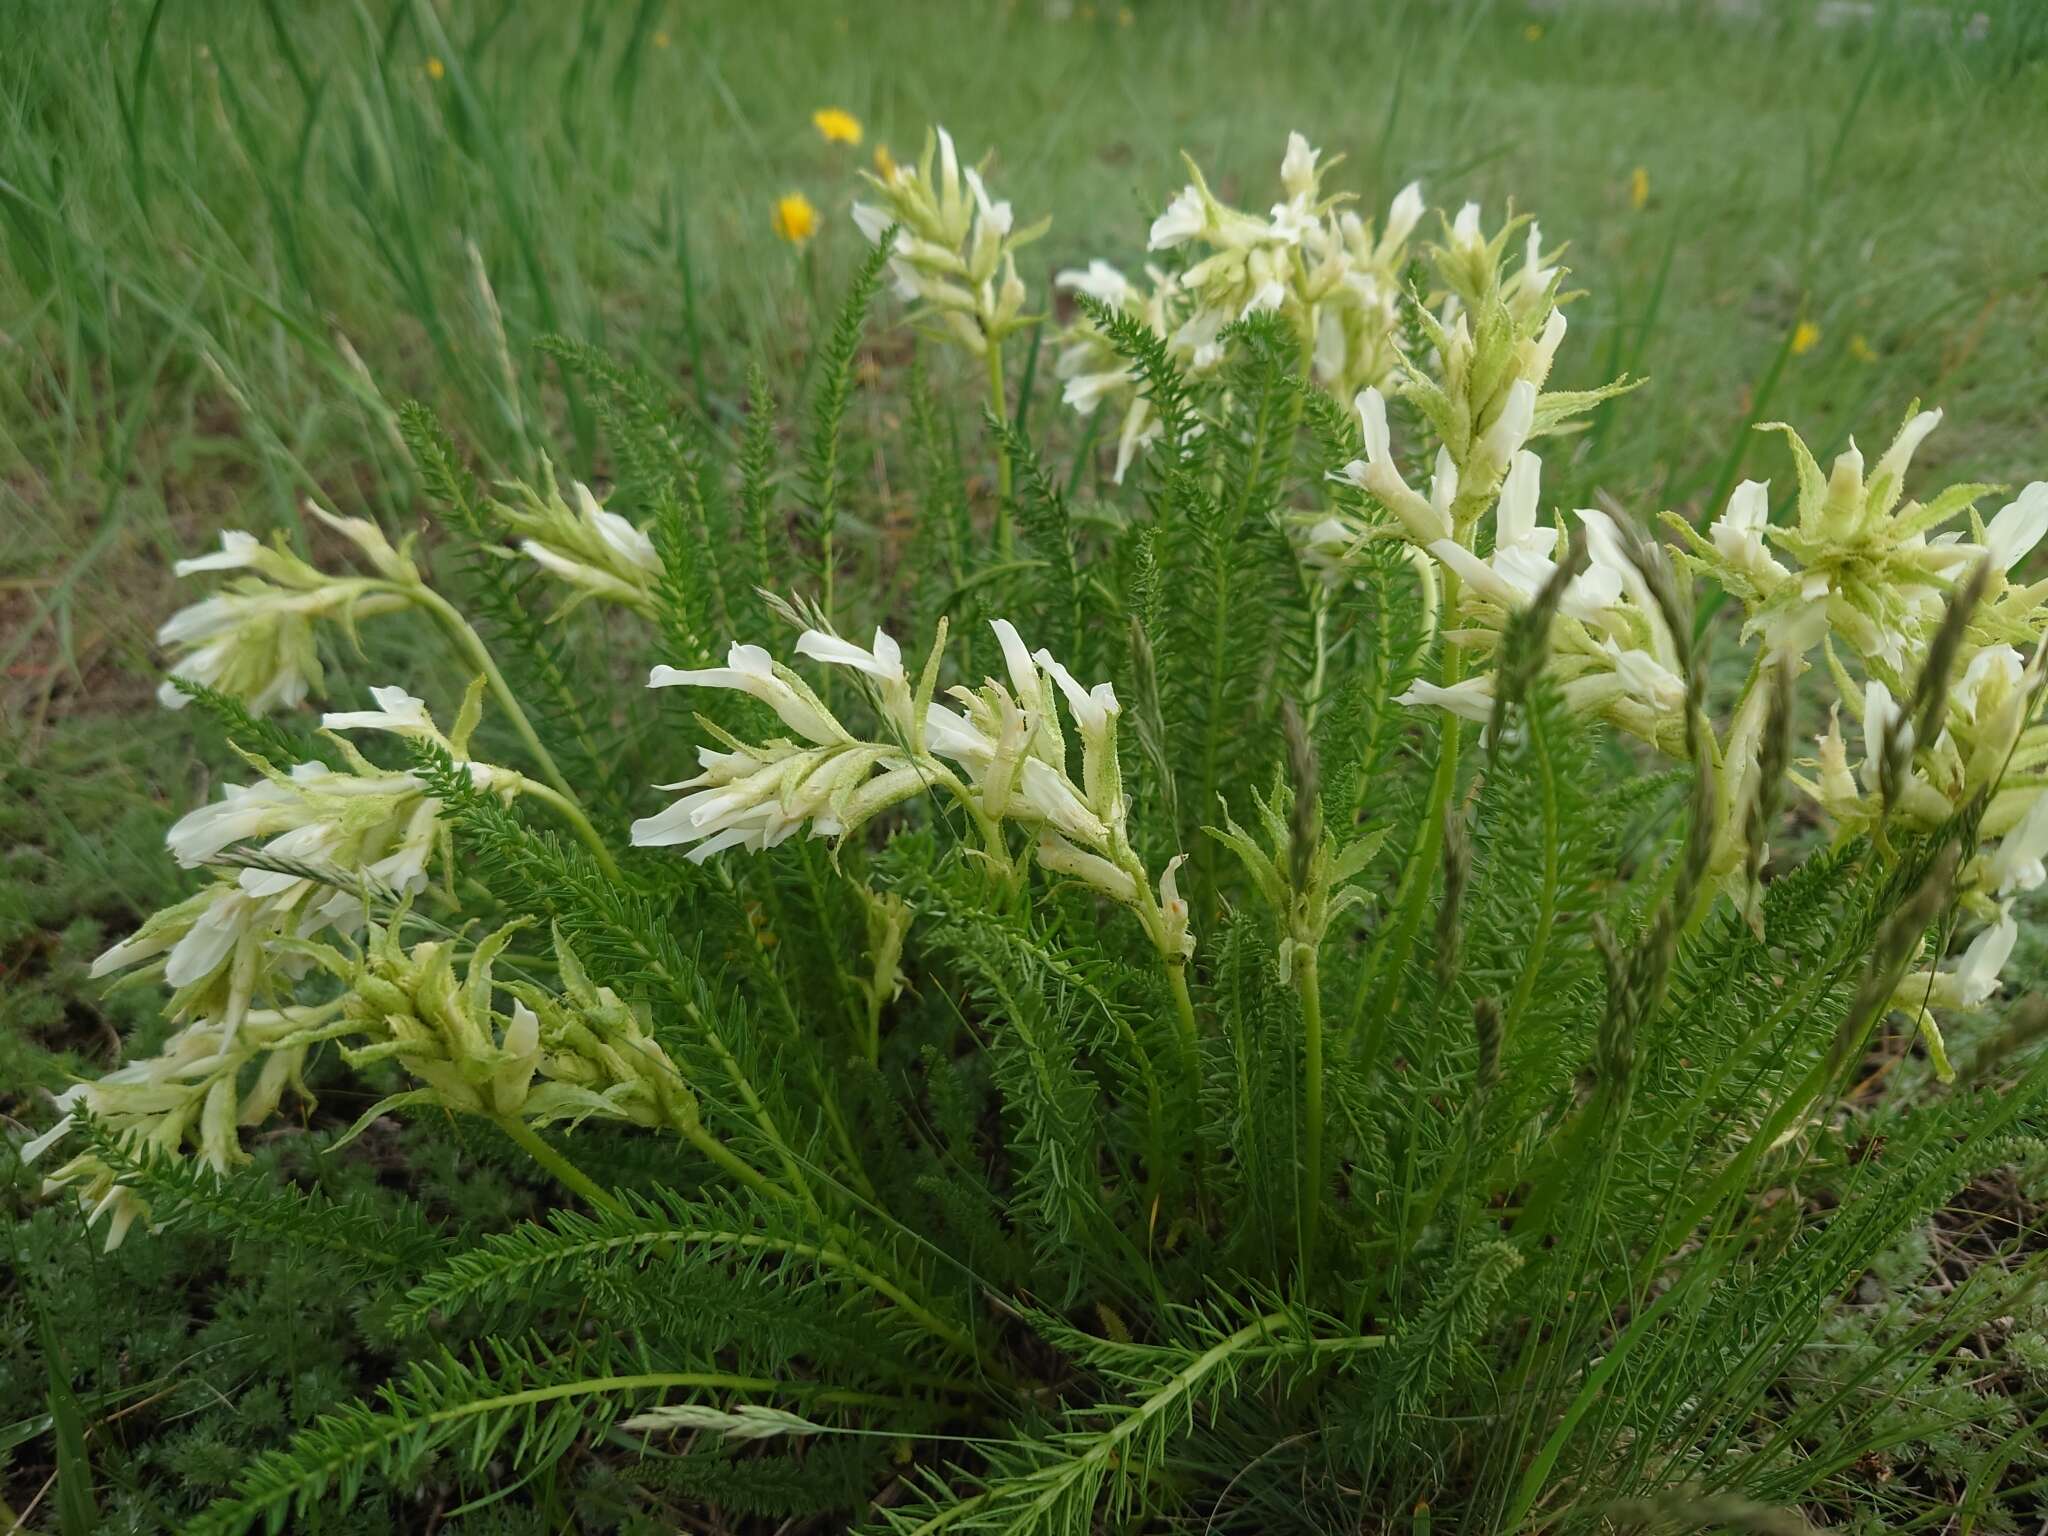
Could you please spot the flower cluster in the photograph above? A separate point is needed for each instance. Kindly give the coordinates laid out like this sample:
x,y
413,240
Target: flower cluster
x,y
548,1058
955,250
1327,272
1002,754
254,639
1867,575
598,553
314,843
309,850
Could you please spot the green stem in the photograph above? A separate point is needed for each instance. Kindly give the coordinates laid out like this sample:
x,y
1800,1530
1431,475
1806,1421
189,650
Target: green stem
x,y
565,1173
1184,1009
697,1136
1308,980
1382,975
471,644
1546,915
999,408
572,813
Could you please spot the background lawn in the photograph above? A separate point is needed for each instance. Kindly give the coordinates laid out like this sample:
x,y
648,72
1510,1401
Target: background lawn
x,y
235,238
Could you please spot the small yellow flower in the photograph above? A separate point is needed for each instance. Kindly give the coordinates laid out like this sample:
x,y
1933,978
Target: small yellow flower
x,y
435,68
661,39
1805,338
1126,17
1533,33
794,218
1861,350
1639,188
885,163
836,125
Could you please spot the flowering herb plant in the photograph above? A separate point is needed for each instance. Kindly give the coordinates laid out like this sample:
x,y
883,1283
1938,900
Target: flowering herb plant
x,y
1266,999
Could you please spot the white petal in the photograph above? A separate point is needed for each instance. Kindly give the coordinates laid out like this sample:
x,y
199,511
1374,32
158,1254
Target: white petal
x,y
2019,526
237,551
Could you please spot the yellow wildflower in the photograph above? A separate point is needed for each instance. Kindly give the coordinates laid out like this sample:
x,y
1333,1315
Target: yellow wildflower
x,y
836,125
1805,338
1639,188
435,68
794,218
1533,33
661,39
1861,349
1126,17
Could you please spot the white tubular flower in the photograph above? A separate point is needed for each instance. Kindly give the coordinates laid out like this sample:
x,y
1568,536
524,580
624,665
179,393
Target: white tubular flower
x,y
397,711
1504,439
254,640
884,664
2020,861
598,553
1535,280
1186,217
1062,857
1881,717
254,648
1377,474
1521,563
1099,281
1540,351
1646,679
1471,699
320,841
1973,982
2018,526
750,670
1738,536
956,246
1173,911
1403,214
755,797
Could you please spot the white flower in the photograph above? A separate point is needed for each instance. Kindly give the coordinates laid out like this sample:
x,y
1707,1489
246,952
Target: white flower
x,y
1185,217
396,711
1472,699
1521,565
1975,977
1174,910
1540,353
1738,534
749,669
1298,167
883,663
1100,281
1503,440
994,216
1268,296
1403,214
872,222
1881,716
1646,678
1534,280
1378,474
2019,525
238,551
1062,857
1899,456
2017,863
231,916
1465,232
618,535
1084,391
